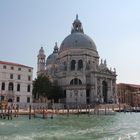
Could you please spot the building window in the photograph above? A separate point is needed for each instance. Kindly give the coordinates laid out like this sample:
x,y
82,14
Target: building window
x,y
28,99
3,86
18,87
2,98
4,67
29,70
19,69
79,82
11,76
64,93
19,77
72,82
80,64
28,88
113,81
29,78
12,68
75,81
73,62
18,99
11,86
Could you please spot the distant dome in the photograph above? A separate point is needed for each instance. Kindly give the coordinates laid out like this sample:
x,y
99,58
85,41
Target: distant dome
x,y
51,58
77,38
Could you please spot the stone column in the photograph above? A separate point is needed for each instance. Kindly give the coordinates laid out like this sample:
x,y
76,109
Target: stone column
x,y
101,89
84,66
92,96
95,93
76,65
68,64
111,88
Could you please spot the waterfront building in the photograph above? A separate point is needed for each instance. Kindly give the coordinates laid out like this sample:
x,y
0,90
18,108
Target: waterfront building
x,y
76,66
15,82
129,94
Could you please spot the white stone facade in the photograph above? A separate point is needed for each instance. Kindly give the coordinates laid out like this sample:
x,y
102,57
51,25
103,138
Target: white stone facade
x,y
15,82
78,70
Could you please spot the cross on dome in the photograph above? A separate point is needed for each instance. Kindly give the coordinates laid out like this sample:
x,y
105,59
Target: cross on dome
x,y
76,16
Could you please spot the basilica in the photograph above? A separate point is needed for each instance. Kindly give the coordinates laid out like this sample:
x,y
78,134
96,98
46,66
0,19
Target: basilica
x,y
76,66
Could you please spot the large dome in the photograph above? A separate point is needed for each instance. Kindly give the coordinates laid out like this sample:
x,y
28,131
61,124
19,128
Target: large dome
x,y
77,38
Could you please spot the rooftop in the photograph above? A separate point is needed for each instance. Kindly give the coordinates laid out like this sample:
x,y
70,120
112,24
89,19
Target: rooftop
x,y
14,64
131,85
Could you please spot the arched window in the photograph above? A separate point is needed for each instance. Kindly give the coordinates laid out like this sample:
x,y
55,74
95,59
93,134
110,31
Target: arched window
x,y
80,64
73,62
75,81
18,87
80,82
72,82
11,86
3,86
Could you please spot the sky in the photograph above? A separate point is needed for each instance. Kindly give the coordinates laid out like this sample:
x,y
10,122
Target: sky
x,y
114,26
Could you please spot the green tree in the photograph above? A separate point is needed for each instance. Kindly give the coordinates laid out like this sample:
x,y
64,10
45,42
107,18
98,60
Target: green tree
x,y
56,93
41,87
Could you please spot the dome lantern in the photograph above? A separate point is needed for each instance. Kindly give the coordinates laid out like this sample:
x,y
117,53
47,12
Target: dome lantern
x,y
77,26
55,48
78,39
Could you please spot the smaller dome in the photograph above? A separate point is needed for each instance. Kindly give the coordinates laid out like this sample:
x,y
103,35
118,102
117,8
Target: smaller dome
x,y
51,58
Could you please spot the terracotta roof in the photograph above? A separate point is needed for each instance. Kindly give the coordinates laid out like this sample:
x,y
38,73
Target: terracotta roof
x,y
14,64
131,85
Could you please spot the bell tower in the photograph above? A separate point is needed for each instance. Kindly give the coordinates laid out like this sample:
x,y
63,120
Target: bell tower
x,y
41,61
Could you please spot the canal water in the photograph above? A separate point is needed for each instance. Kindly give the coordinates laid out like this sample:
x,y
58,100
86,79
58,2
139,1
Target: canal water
x,y
122,126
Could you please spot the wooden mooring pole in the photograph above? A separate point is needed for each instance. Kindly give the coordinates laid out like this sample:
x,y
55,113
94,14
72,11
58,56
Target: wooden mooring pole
x,y
68,111
8,113
34,112
88,110
30,112
43,113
